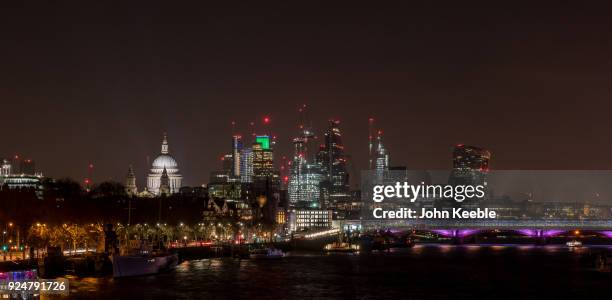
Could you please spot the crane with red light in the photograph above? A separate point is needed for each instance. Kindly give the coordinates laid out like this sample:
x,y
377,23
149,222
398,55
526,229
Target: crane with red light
x,y
88,181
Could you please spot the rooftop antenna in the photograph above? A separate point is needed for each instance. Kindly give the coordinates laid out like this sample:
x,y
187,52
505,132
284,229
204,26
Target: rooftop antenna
x,y
252,124
305,127
284,170
266,128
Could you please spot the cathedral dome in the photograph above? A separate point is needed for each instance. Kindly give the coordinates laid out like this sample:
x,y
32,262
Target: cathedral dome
x,y
164,167
164,161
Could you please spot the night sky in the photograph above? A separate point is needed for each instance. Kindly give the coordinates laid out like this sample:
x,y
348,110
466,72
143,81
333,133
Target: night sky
x,y
102,82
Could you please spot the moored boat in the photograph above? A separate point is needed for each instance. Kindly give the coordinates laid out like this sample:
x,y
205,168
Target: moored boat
x,y
266,253
143,264
341,247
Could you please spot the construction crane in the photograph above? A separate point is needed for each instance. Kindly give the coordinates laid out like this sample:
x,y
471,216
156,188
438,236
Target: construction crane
x,y
370,143
89,179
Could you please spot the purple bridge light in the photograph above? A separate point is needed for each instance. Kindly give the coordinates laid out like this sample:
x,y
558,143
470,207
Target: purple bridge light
x,y
456,232
607,233
540,232
526,232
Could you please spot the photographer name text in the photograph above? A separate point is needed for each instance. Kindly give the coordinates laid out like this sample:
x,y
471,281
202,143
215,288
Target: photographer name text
x,y
434,213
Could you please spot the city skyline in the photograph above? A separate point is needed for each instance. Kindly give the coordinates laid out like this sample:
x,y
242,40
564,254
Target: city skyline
x,y
110,88
291,150
142,168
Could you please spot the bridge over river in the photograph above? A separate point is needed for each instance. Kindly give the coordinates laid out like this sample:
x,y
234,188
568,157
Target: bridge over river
x,y
465,227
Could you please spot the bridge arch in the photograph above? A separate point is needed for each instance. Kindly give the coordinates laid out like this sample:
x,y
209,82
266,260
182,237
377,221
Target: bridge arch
x,y
540,232
456,233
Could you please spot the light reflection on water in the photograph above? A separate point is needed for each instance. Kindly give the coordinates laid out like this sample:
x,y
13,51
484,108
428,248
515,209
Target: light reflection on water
x,y
389,274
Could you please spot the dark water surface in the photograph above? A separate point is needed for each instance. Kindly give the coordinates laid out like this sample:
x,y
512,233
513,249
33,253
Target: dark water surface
x,y
425,271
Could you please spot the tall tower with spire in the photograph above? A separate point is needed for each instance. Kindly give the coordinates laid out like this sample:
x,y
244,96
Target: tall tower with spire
x,y
164,147
304,186
164,183
130,183
382,158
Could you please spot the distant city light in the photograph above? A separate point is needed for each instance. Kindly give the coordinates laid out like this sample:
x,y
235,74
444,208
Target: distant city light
x,y
264,140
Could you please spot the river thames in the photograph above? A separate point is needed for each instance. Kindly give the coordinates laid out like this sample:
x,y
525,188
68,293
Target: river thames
x,y
423,272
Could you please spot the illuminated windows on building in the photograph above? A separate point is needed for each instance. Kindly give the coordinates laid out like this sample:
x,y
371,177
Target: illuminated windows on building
x,y
246,165
263,160
236,149
6,168
311,219
333,161
25,182
281,217
382,159
304,186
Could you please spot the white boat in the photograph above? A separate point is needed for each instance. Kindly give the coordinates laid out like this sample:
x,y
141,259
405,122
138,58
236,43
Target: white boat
x,y
574,243
266,253
143,264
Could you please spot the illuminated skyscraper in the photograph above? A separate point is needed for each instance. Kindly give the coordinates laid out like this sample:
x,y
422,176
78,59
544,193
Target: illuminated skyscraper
x,y
304,187
382,159
263,158
298,164
470,166
246,165
263,192
471,158
236,148
333,164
